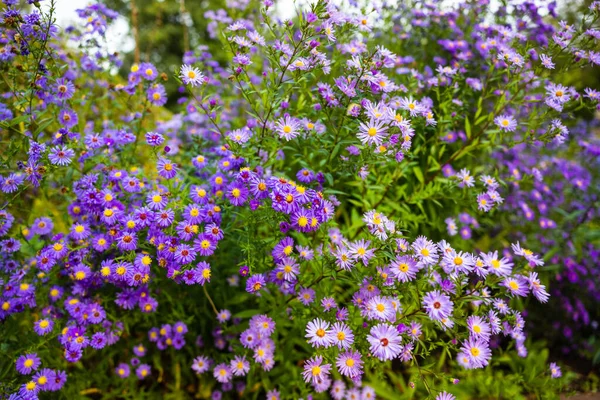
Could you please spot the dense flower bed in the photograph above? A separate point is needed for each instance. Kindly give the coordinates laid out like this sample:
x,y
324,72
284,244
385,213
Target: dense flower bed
x,y
363,202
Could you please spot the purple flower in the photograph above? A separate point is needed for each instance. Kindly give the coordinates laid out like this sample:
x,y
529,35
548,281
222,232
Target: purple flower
x,y
255,283
143,371
61,155
555,371
154,139
122,370
166,168
28,363
43,326
385,342
315,371
437,305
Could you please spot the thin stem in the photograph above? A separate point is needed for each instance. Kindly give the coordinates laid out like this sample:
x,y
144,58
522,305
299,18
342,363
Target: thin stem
x,y
210,300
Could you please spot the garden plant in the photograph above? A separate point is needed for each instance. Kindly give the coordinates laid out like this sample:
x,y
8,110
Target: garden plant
x,y
393,199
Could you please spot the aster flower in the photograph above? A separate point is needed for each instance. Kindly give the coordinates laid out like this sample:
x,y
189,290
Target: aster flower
x,y
222,373
349,363
381,308
319,334
28,363
201,364
191,75
445,396
122,370
425,251
166,168
478,327
465,178
372,133
64,89
43,326
360,250
143,371
287,128
384,342
315,371
546,61
61,155
500,267
437,305
477,352
506,123
56,381
516,285
342,335
555,371
306,295
538,290
255,283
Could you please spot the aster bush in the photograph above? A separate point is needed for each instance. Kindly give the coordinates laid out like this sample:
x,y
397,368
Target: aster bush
x,y
365,201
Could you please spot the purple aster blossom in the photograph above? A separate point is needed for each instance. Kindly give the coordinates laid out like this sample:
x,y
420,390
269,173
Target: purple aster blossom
x,y
372,133
319,334
223,316
64,89
315,371
506,123
477,351
156,200
43,326
166,168
237,194
239,366
154,139
404,268
68,118
287,128
306,295
127,241
437,305
305,175
425,251
157,95
342,335
445,396
143,371
384,342
191,75
349,363
359,250
56,381
201,364
148,71
11,183
28,363
98,340
42,378
516,285
203,272
478,328
222,373
61,155
240,135
122,370
184,254
255,283
555,371
538,290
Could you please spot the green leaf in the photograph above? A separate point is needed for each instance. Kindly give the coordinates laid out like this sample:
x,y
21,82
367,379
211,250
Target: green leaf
x,y
419,174
468,128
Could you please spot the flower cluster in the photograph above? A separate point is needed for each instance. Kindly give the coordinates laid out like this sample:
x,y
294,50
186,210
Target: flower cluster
x,y
330,200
